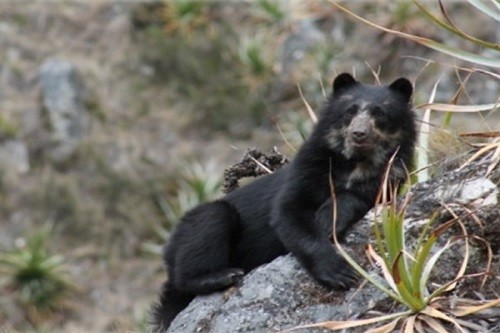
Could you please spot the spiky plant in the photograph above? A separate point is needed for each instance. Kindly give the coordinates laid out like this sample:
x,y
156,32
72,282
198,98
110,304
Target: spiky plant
x,y
39,279
406,271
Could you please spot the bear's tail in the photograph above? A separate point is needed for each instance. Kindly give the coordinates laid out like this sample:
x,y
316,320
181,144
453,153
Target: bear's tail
x,y
172,302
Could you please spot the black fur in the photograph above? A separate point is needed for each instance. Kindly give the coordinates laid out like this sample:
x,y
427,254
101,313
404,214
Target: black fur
x,y
290,210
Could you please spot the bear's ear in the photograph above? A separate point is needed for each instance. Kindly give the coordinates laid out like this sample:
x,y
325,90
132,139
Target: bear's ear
x,y
402,86
342,82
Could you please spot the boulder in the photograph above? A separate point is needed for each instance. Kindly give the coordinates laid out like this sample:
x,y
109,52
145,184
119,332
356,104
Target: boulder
x,y
63,97
14,157
276,296
305,38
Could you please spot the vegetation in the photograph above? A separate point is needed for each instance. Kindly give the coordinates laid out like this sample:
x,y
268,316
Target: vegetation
x,y
406,278
406,270
40,279
241,74
174,52
7,129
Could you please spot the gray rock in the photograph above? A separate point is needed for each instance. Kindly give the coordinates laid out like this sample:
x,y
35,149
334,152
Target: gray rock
x,y
64,97
14,157
481,191
276,296
304,39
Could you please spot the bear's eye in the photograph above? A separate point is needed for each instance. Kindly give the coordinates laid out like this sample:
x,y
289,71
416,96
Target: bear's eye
x,y
352,109
378,112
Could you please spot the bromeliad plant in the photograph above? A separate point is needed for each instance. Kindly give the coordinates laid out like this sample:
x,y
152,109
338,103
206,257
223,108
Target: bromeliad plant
x,y
406,272
39,278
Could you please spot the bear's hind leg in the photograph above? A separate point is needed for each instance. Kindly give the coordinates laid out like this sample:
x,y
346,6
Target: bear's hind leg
x,y
204,244
210,282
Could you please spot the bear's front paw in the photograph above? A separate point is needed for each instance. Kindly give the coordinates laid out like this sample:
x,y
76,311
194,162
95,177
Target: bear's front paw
x,y
335,273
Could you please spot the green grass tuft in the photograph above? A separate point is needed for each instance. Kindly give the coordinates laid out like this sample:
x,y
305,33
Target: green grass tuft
x,y
39,278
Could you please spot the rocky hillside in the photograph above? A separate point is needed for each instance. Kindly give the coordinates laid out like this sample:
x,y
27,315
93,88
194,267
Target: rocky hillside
x,y
105,105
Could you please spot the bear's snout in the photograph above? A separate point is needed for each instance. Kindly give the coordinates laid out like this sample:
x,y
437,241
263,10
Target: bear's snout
x,y
360,130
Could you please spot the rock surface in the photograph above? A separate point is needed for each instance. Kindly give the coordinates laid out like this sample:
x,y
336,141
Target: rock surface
x,y
14,157
63,94
305,38
278,296
281,295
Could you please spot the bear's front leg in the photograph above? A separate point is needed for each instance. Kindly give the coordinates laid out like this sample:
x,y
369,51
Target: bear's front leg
x,y
296,226
350,209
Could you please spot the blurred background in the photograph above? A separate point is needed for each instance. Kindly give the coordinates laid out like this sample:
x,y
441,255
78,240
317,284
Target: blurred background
x,y
117,116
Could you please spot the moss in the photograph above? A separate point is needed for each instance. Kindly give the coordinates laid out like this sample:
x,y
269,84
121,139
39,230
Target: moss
x,y
8,130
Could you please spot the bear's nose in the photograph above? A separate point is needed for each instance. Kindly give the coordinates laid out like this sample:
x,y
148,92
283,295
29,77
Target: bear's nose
x,y
359,135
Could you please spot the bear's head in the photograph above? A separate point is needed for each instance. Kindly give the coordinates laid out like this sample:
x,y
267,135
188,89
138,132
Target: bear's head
x,y
368,121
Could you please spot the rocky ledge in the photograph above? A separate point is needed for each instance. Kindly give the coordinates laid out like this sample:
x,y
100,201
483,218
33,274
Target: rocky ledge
x,y
281,295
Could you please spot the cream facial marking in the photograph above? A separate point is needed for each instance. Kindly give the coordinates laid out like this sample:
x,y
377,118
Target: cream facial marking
x,y
347,97
335,138
363,113
364,106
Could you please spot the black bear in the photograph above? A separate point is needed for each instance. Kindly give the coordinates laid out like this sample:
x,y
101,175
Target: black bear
x,y
216,243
